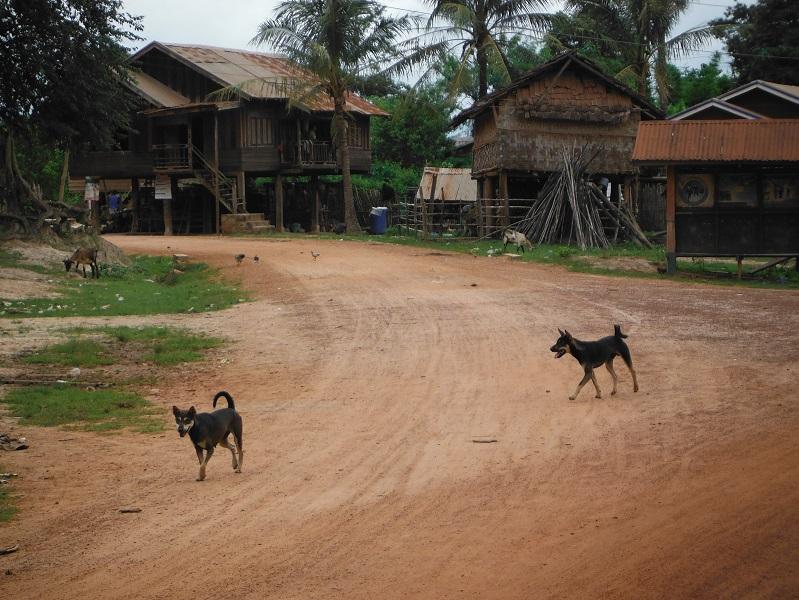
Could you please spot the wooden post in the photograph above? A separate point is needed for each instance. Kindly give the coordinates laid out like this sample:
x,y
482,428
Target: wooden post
x,y
134,204
241,189
671,210
488,194
317,205
740,260
168,205
216,178
279,203
503,193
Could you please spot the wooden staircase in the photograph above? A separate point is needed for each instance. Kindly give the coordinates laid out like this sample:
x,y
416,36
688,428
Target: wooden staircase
x,y
246,223
215,181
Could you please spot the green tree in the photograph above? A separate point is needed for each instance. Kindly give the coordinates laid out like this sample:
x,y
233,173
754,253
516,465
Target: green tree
x,y
415,132
62,65
639,32
479,32
692,86
336,41
763,39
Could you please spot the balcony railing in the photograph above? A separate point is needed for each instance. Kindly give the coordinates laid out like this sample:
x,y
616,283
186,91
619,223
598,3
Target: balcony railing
x,y
171,157
308,152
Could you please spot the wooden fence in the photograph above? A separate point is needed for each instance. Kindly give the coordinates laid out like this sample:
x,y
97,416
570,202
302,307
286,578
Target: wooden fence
x,y
457,219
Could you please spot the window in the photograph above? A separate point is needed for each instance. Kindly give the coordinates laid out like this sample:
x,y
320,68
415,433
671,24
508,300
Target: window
x,y
357,135
259,131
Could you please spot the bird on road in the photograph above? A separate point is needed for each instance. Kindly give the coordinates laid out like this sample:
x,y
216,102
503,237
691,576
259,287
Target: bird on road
x,y
315,254
239,258
255,259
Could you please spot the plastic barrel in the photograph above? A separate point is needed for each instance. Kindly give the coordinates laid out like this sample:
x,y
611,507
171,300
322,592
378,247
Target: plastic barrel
x,y
378,220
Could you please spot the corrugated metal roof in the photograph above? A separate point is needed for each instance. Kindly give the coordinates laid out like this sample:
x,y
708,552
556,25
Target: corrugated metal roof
x,y
154,91
451,184
257,74
666,142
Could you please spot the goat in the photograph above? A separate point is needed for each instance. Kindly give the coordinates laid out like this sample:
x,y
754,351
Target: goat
x,y
82,257
520,240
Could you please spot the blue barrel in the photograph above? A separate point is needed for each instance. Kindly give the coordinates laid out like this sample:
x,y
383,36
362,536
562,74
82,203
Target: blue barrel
x,y
378,220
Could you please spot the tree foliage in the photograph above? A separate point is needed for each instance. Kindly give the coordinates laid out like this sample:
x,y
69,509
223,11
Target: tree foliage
x,y
692,86
62,66
763,39
638,32
478,33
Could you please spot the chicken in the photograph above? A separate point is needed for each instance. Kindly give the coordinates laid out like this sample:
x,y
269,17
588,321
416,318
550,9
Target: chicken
x,y
239,258
255,259
315,254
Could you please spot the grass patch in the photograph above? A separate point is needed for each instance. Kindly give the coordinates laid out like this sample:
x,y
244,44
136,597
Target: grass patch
x,y
117,345
75,352
13,260
574,259
144,288
7,508
96,410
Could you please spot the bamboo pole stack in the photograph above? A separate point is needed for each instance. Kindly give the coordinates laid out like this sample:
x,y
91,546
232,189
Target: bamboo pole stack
x,y
572,209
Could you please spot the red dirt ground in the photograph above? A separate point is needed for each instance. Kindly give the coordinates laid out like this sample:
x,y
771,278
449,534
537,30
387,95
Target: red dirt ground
x,y
363,377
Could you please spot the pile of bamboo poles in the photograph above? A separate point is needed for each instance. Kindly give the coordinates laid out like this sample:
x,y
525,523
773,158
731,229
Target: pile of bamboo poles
x,y
572,209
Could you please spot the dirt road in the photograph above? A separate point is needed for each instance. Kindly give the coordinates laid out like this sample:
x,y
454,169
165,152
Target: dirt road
x,y
363,378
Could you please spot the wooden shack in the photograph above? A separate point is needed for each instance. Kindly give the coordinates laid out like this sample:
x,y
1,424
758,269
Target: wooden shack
x,y
520,130
732,186
187,138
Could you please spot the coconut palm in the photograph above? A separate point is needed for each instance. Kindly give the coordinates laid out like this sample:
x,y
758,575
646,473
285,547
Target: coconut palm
x,y
335,42
640,32
478,31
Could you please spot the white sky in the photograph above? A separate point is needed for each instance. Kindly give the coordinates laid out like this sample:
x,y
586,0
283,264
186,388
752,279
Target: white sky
x,y
232,23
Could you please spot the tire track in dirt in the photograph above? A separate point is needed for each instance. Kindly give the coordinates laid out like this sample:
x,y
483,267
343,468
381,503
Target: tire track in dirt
x,y
362,378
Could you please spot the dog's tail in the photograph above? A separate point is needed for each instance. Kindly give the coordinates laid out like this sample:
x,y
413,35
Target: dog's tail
x,y
617,331
227,397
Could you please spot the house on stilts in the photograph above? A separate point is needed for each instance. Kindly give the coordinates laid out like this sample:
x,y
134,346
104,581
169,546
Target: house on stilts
x,y
520,130
191,159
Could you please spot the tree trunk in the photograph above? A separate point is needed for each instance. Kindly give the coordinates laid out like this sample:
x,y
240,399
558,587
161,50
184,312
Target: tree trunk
x,y
342,141
482,70
64,176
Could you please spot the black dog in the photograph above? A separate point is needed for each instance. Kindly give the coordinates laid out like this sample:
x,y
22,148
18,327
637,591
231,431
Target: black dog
x,y
594,354
206,430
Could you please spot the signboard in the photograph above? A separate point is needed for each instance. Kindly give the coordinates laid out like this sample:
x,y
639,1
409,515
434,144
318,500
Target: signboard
x,y
163,187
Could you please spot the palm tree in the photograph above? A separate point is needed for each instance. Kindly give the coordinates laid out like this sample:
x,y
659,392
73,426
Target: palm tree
x,y
478,31
640,32
335,42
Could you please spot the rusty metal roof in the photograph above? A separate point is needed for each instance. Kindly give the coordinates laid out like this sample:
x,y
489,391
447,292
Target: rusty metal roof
x,y
451,184
669,142
155,92
256,74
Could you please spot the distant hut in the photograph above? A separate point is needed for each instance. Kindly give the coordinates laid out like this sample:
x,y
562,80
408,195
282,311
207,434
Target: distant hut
x,y
520,130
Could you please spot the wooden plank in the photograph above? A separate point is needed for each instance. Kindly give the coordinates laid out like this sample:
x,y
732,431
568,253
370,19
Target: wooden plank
x,y
279,203
671,232
317,206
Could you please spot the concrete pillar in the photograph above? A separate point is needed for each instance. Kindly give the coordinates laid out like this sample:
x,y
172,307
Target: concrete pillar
x,y
503,193
279,203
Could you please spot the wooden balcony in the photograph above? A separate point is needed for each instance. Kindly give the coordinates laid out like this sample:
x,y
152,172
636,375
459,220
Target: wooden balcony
x,y
308,153
487,157
171,157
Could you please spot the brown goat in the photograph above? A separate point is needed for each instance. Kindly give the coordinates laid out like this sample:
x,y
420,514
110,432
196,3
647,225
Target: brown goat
x,y
82,257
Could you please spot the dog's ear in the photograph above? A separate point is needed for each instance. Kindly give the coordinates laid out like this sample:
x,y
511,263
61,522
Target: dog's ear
x,y
175,410
560,332
192,412
567,334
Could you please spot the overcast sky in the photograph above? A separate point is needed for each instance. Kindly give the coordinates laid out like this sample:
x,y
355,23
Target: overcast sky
x,y
232,23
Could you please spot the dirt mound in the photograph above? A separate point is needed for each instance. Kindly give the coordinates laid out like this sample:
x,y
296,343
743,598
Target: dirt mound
x,y
18,284
49,251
